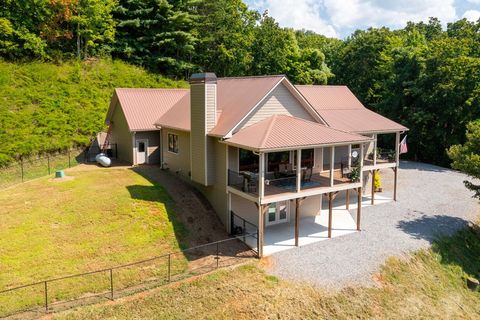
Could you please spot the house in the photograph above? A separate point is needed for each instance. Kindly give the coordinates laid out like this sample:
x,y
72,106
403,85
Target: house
x,y
265,153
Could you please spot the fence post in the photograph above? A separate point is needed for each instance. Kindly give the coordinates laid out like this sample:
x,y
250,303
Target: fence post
x,y
244,231
111,284
48,163
21,165
169,267
46,296
218,258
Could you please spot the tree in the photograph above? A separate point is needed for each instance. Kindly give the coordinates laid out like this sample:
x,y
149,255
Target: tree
x,y
466,157
226,34
273,49
94,26
157,34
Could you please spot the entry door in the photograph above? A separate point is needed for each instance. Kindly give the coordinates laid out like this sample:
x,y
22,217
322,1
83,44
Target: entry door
x,y
142,147
278,212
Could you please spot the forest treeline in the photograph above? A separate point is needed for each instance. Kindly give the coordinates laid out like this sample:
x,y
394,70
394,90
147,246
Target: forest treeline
x,y
423,76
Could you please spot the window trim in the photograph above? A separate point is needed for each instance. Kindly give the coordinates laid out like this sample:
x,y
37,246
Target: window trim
x,y
168,143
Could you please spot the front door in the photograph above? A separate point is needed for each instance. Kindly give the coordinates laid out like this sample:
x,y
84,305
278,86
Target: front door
x,y
278,212
142,147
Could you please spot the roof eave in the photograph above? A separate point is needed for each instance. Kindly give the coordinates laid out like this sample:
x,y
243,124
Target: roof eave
x,y
289,148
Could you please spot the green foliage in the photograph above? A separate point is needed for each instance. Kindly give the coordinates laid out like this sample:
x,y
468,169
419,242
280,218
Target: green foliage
x,y
226,32
421,76
46,107
156,34
466,157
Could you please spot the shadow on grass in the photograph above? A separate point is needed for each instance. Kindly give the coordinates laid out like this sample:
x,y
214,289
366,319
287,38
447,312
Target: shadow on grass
x,y
201,252
455,241
158,194
461,249
431,227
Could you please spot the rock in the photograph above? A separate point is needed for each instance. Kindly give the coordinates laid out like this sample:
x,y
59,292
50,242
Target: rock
x,y
472,283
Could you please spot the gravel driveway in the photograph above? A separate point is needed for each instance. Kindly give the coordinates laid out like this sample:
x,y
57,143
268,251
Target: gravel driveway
x,y
431,201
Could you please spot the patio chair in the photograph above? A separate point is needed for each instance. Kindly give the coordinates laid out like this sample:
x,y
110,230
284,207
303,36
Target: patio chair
x,y
307,174
252,185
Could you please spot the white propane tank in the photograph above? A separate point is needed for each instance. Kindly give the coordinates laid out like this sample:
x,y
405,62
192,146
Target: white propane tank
x,y
103,160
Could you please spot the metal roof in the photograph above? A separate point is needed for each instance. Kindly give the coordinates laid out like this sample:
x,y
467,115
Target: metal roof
x,y
339,107
235,98
282,132
142,107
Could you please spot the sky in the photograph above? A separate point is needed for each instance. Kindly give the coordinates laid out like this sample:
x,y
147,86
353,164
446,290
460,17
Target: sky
x,y
339,18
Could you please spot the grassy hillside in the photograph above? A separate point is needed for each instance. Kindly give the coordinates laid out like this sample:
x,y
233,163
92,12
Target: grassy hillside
x,y
46,107
428,285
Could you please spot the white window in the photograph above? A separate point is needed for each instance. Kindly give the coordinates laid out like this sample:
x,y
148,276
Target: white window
x,y
173,143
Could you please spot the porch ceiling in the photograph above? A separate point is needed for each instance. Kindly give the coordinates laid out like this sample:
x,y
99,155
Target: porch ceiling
x,y
281,132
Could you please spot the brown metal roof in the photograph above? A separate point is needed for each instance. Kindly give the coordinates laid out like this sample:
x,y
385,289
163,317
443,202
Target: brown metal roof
x,y
142,107
235,98
339,107
360,121
284,132
178,117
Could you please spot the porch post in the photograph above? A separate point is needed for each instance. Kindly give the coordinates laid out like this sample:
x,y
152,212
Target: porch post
x,y
330,211
359,206
397,163
375,149
299,170
261,229
347,199
261,173
297,207
349,156
395,183
332,160
362,146
373,186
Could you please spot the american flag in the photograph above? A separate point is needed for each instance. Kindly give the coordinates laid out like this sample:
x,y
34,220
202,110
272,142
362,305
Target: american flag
x,y
403,145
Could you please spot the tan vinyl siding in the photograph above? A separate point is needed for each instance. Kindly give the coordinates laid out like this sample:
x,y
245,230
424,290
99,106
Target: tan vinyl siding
x,y
245,209
279,101
233,159
198,136
310,206
122,136
178,163
153,145
216,193
212,160
211,106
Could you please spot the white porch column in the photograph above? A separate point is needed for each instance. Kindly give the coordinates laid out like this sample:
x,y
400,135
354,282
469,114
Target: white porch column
x,y
362,146
299,170
375,149
349,156
332,160
261,173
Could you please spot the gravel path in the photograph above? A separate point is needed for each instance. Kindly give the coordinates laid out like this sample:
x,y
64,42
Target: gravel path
x,y
431,201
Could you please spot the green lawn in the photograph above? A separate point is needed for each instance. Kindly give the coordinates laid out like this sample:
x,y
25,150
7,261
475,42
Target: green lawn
x,y
98,219
428,285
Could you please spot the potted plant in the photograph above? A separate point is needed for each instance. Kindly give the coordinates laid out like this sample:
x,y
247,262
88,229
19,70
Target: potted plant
x,y
355,174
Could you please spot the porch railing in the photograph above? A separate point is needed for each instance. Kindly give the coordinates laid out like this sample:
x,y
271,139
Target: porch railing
x,y
244,181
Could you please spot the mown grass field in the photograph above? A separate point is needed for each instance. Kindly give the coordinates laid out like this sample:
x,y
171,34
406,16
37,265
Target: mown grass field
x,y
430,284
95,219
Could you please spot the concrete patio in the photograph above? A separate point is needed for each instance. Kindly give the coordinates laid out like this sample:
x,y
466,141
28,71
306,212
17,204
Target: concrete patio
x,y
280,237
